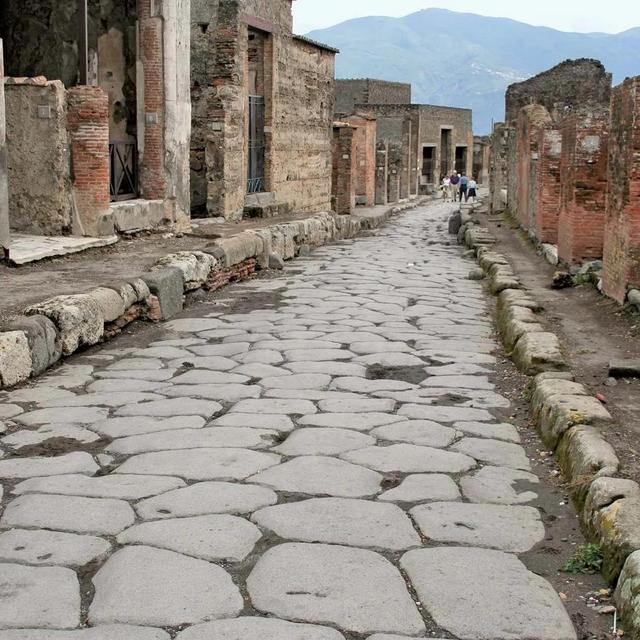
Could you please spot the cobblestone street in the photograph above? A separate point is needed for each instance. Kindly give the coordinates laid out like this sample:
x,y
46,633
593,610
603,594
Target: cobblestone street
x,y
332,463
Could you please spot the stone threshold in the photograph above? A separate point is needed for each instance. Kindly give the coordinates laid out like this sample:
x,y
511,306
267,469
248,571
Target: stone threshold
x,y
571,422
25,248
60,326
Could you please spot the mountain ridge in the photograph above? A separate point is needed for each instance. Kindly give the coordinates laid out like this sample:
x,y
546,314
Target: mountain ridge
x,y
464,59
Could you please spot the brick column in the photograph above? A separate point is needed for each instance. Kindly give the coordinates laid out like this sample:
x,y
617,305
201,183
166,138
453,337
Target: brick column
x,y
153,184
88,126
622,230
344,170
4,178
583,176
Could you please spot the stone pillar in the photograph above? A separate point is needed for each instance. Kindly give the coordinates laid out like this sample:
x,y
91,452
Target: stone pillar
x,y
88,125
344,170
395,154
381,173
4,179
622,230
407,160
583,172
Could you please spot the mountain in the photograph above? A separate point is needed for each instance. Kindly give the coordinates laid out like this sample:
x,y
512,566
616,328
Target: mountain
x,y
466,60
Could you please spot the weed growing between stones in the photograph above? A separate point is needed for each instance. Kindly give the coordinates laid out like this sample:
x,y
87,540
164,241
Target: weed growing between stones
x,y
587,559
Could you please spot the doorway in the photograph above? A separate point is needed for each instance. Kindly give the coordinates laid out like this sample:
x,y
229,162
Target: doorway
x,y
428,165
445,152
461,160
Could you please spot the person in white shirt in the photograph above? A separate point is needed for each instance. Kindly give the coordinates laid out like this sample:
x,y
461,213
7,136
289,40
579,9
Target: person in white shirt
x,y
446,184
472,190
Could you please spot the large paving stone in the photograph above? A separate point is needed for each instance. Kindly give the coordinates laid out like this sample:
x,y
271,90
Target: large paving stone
x,y
330,368
409,458
172,408
203,376
420,432
270,421
229,349
432,487
364,405
205,498
130,364
317,475
154,587
258,370
201,464
193,325
77,462
354,589
501,431
25,438
496,452
101,399
258,629
363,385
105,632
119,487
42,548
213,363
323,442
355,421
478,593
444,414
58,415
275,406
508,528
123,427
355,523
214,437
459,382
297,381
500,485
219,392
39,597
9,410
95,516
391,360
211,537
318,355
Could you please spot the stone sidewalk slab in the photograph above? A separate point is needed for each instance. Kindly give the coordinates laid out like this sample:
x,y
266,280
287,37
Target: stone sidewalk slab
x,y
258,629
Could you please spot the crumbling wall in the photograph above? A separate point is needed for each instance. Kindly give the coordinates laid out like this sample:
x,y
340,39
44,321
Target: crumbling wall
x,y
303,113
499,168
38,157
569,85
275,12
351,92
4,180
583,171
622,230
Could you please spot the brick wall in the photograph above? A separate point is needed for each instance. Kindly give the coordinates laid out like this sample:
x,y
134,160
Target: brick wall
x,y
88,124
153,184
622,230
583,170
343,182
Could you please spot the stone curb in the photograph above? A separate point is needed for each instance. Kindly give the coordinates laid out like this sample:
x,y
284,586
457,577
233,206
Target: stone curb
x,y
60,326
573,424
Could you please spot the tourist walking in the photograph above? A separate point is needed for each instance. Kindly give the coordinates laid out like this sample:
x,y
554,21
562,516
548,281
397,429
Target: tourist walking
x,y
454,182
446,188
464,187
472,190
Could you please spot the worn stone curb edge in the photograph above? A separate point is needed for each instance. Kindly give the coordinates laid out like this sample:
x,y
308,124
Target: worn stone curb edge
x,y
60,326
571,422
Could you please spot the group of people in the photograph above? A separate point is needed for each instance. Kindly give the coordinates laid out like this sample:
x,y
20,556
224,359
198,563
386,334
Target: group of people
x,y
456,187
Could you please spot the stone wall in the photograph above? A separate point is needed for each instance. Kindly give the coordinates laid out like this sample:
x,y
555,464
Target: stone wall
x,y
583,170
622,231
303,113
343,177
365,138
481,159
570,85
351,92
499,169
40,197
4,181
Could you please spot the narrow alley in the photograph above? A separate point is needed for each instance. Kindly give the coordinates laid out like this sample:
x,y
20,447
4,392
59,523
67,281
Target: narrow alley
x,y
328,460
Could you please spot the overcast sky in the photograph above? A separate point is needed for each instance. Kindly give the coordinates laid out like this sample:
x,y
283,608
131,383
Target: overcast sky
x,y
567,15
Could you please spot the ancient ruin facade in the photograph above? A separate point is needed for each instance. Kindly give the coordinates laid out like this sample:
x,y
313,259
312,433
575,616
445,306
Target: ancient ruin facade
x,y
4,179
262,111
97,115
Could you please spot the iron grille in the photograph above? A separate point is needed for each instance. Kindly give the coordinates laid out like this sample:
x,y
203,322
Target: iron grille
x,y
123,171
255,182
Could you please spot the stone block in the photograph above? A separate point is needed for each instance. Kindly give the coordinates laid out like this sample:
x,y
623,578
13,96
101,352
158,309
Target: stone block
x,y
15,358
195,266
612,516
110,302
43,341
78,319
141,289
627,596
238,248
276,262
455,222
624,369
168,286
138,214
538,352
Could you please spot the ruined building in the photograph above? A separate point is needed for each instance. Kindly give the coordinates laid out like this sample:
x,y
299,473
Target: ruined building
x,y
565,164
416,145
262,111
97,115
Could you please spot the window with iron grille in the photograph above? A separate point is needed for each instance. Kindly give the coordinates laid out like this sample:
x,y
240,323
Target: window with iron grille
x,y
123,170
256,145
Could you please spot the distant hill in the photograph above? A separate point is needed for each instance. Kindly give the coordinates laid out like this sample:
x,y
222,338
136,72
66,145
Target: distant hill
x,y
466,60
